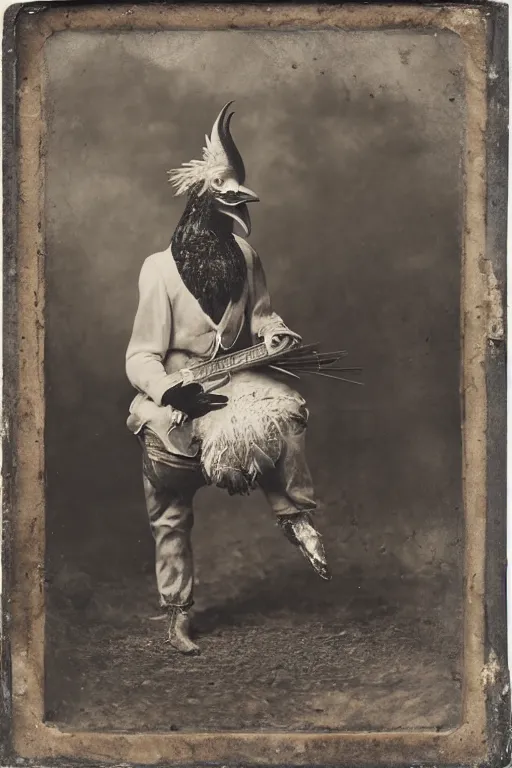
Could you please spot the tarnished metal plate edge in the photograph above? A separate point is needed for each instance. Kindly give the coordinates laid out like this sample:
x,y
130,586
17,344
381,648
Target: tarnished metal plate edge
x,y
249,749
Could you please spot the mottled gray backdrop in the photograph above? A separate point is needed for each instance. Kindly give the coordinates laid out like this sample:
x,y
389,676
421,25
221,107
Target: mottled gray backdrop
x,y
353,142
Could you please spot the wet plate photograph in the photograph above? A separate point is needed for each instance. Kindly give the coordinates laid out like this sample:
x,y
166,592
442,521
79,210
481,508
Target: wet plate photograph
x,y
254,384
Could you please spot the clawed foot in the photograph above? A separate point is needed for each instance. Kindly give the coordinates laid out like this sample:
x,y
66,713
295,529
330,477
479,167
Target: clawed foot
x,y
179,633
300,530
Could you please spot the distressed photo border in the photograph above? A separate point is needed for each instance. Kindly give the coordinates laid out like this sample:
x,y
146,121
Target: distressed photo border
x,y
482,736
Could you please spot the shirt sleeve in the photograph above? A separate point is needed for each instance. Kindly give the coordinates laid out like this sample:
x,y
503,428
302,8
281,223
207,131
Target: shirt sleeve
x,y
263,319
151,336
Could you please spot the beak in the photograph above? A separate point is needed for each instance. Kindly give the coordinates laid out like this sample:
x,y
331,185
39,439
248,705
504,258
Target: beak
x,y
235,197
240,214
234,204
246,195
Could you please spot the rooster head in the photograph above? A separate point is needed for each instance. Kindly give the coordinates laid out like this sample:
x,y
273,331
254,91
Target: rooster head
x,y
220,174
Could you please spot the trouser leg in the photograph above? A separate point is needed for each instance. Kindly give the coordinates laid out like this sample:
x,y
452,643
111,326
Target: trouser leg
x,y
289,487
289,491
169,495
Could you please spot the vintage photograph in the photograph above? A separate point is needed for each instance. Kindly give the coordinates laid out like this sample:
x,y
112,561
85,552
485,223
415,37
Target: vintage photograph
x,y
254,386
253,427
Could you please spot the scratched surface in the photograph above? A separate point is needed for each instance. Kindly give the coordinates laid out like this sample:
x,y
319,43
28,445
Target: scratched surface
x,y
352,141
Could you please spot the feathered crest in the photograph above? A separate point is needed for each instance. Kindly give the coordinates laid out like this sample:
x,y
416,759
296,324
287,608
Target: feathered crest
x,y
220,158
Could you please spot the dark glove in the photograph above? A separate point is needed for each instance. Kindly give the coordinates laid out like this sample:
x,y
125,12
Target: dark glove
x,y
192,400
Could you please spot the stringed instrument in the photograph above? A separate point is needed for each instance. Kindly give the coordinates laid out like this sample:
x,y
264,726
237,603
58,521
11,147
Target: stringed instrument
x,y
291,361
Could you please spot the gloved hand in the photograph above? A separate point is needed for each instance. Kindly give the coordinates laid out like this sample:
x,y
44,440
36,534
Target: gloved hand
x,y
192,400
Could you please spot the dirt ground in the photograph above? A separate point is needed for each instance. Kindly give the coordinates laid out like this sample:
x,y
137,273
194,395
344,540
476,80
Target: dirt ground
x,y
377,648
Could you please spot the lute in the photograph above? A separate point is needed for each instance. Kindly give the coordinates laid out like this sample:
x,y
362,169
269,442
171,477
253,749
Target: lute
x,y
291,361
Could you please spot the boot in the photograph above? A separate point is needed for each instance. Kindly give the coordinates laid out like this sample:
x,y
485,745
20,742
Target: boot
x,y
299,529
179,632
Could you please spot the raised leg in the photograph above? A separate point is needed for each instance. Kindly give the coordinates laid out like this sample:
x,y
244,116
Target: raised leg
x,y
289,491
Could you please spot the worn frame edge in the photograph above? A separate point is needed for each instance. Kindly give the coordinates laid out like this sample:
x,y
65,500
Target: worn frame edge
x,y
495,597
9,359
496,139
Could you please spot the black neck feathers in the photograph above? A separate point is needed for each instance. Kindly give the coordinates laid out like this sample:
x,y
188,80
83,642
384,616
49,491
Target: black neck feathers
x,y
208,258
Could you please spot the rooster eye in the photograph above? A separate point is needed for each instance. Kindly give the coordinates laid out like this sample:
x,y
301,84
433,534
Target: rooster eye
x,y
218,182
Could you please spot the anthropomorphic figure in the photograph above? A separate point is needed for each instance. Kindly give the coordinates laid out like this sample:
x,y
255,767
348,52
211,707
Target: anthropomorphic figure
x,y
196,299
